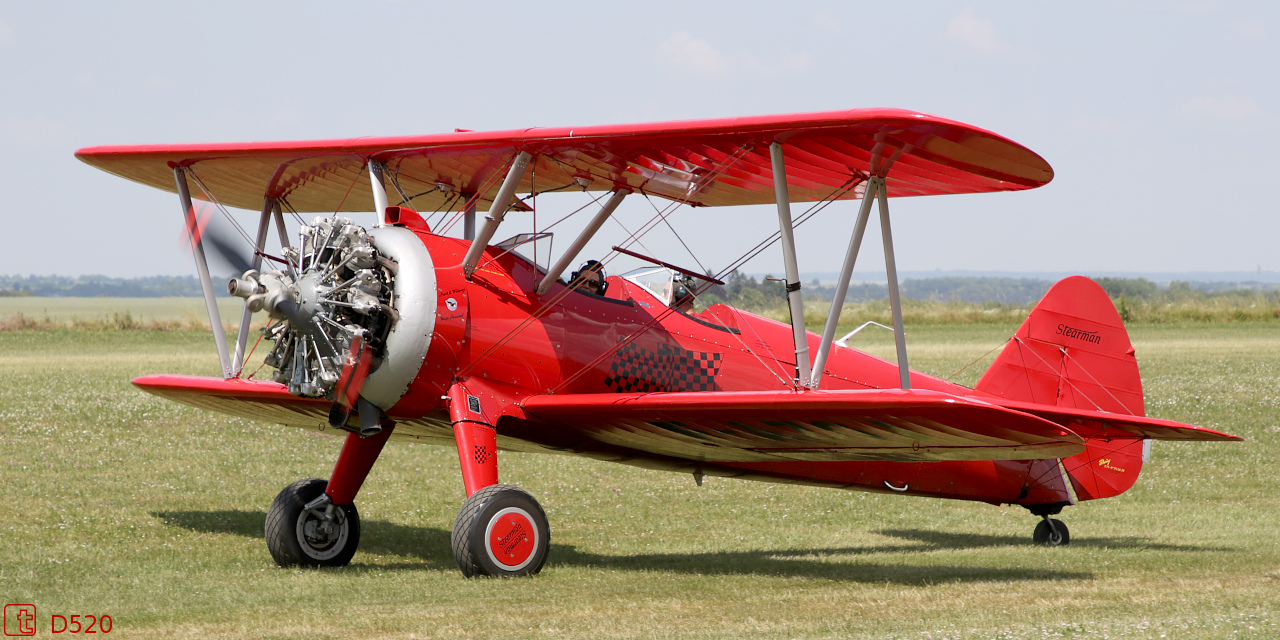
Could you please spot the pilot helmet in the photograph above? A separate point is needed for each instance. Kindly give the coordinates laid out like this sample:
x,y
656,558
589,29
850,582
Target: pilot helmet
x,y
591,265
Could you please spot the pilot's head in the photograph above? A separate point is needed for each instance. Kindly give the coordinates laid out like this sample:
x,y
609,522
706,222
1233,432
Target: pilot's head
x,y
682,292
591,277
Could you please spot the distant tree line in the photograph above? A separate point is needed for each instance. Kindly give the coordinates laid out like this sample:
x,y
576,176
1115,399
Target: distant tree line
x,y
102,286
747,292
740,290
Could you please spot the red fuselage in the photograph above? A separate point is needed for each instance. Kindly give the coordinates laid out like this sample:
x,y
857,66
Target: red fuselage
x,y
494,330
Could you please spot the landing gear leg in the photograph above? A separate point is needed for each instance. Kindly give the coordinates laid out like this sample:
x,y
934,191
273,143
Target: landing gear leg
x,y
314,523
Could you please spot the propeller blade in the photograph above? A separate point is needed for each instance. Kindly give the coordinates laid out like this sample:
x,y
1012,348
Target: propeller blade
x,y
224,247
220,244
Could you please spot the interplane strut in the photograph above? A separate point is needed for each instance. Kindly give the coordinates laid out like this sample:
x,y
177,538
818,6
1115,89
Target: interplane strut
x,y
786,227
202,268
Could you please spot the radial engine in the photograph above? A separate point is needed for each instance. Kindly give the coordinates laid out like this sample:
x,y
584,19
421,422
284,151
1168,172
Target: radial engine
x,y
334,312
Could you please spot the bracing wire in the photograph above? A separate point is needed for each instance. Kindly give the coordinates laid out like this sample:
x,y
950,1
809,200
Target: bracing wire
x,y
634,238
976,360
677,235
448,223
227,214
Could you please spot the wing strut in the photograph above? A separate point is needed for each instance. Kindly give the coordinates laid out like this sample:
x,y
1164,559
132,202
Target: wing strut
x,y
242,337
469,217
876,190
789,259
846,271
582,239
284,233
202,268
895,300
379,191
499,209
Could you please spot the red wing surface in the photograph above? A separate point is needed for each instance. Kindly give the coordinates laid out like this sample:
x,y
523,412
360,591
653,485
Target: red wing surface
x,y
886,425
271,402
253,399
703,162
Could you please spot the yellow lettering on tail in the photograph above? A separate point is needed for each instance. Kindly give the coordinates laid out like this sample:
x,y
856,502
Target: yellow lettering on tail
x,y
1106,463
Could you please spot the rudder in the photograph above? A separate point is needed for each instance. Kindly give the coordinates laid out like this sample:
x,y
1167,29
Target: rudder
x,y
1073,351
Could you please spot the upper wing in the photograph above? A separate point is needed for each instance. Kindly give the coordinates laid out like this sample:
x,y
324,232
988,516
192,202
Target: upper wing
x,y
702,162
892,425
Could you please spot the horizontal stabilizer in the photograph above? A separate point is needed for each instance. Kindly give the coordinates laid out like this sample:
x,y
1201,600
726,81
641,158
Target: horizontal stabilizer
x,y
883,425
1100,424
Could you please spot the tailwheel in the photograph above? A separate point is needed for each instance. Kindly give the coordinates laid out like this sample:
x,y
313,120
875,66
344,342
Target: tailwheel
x,y
305,529
501,531
1052,533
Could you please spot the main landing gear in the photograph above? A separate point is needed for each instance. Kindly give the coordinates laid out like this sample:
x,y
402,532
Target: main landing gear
x,y
305,528
1050,532
500,531
314,523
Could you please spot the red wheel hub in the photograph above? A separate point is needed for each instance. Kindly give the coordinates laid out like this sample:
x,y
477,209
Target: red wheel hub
x,y
511,538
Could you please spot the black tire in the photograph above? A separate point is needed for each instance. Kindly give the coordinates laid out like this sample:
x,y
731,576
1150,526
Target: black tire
x,y
292,536
1057,536
501,531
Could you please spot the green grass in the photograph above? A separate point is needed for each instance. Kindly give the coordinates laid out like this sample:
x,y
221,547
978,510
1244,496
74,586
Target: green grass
x,y
123,504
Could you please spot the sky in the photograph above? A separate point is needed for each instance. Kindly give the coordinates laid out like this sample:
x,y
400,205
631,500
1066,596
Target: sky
x,y
1161,119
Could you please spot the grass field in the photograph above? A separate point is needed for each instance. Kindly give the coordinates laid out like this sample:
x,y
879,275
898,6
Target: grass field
x,y
123,504
189,312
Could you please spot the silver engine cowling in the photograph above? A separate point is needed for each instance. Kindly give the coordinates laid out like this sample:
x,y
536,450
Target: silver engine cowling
x,y
347,285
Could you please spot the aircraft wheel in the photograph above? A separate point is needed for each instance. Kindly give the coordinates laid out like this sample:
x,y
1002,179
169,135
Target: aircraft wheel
x,y
320,537
1055,536
501,531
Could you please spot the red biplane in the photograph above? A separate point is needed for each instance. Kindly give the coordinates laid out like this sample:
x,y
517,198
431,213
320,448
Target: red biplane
x,y
399,332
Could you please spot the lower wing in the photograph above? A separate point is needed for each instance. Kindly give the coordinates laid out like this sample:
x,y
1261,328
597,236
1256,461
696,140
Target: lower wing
x,y
885,425
253,399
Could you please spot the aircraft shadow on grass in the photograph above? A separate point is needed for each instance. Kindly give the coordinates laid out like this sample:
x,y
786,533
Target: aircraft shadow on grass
x,y
431,546
933,540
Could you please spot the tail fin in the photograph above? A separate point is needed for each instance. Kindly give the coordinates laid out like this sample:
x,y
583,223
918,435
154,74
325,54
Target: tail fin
x,y
1073,351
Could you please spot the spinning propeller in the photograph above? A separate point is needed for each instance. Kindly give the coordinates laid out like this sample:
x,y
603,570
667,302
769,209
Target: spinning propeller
x,y
217,237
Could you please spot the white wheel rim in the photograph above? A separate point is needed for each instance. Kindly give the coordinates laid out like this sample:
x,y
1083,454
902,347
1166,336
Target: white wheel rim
x,y
333,549
488,534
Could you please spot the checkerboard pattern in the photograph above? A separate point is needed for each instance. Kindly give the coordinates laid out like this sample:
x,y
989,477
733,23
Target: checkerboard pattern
x,y
639,370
